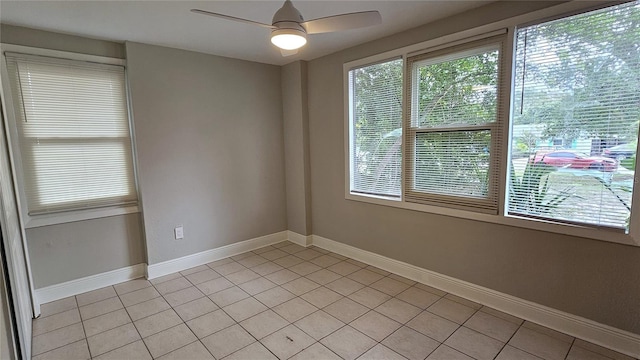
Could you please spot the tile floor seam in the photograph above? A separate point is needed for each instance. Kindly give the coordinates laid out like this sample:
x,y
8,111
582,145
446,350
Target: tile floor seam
x,y
506,343
247,330
256,340
447,338
314,342
130,291
144,317
345,325
231,303
317,340
93,302
541,333
226,327
116,348
110,312
191,343
149,350
32,355
46,332
157,332
405,325
238,322
514,346
167,301
570,347
460,326
496,355
134,326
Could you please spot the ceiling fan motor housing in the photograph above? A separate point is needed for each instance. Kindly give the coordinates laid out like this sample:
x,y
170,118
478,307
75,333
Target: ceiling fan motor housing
x,y
288,16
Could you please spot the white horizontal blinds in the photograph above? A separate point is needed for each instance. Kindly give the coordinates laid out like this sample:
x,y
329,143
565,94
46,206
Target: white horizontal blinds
x,y
73,129
376,128
452,163
453,127
575,118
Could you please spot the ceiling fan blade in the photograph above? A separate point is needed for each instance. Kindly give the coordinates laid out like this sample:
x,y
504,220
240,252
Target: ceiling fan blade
x,y
286,53
232,18
342,22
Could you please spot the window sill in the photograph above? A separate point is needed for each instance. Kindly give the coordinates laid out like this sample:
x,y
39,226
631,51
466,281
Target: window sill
x,y
509,220
78,215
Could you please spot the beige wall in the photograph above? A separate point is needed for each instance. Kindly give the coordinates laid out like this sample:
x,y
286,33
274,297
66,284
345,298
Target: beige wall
x,y
296,146
18,35
70,251
210,150
593,279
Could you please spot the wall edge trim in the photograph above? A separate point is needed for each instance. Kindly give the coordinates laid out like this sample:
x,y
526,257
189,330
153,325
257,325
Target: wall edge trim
x,y
302,240
89,283
207,256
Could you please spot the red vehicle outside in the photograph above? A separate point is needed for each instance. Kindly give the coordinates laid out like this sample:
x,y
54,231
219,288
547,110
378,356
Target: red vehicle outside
x,y
575,160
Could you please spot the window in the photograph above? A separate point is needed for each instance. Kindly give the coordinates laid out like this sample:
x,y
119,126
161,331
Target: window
x,y
73,132
451,133
376,128
565,92
577,85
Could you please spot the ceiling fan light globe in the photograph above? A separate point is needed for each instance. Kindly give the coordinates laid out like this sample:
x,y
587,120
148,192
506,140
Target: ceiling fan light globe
x,y
288,39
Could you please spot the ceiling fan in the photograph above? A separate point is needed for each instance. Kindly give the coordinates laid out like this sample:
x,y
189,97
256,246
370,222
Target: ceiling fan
x,y
289,29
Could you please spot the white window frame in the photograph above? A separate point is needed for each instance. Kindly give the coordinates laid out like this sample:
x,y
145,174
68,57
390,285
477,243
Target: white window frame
x,y
351,132
449,200
500,27
33,221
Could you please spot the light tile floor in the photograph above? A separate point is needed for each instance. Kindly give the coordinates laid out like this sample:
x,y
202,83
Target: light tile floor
x,y
286,301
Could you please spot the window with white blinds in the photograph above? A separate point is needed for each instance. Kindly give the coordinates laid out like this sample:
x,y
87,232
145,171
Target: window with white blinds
x,y
375,112
575,118
73,133
452,133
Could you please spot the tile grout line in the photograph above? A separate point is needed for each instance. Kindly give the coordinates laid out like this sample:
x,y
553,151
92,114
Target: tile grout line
x,y
116,348
134,326
46,332
570,347
85,335
405,324
514,334
510,337
453,332
250,334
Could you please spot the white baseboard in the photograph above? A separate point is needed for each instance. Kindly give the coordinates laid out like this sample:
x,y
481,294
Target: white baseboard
x,y
201,258
302,240
604,335
93,282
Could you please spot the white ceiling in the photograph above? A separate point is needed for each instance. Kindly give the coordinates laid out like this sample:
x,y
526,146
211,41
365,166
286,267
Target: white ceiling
x,y
170,23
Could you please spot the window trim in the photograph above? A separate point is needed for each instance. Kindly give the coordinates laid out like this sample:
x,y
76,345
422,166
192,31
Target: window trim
x,y
350,132
464,49
66,215
507,26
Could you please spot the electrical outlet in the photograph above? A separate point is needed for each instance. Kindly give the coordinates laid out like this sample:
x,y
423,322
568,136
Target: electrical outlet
x,y
179,232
